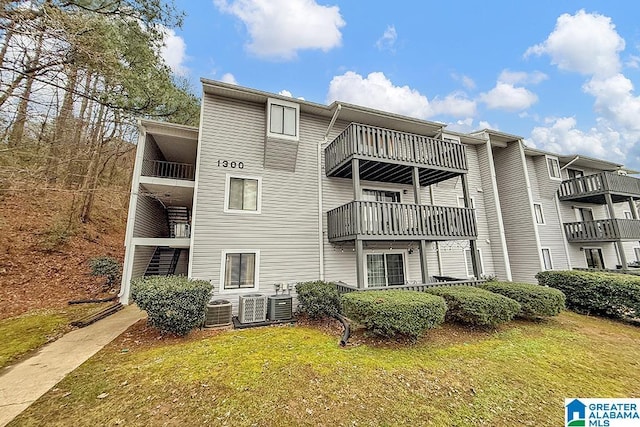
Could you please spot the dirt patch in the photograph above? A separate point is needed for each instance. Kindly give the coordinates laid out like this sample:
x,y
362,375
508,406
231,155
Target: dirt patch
x,y
44,263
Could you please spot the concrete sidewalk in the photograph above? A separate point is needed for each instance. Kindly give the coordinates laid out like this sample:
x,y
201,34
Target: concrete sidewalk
x,y
22,384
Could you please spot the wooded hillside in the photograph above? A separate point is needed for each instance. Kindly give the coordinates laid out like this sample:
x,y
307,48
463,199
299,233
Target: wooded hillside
x,y
74,78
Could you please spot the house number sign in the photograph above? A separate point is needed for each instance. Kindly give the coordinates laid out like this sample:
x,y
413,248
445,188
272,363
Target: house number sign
x,y
230,164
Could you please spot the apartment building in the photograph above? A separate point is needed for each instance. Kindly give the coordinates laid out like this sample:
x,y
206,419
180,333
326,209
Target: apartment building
x,y
273,190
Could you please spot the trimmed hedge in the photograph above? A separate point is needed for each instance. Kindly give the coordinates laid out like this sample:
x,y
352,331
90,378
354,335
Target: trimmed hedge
x,y
475,306
535,300
318,299
602,294
395,313
173,303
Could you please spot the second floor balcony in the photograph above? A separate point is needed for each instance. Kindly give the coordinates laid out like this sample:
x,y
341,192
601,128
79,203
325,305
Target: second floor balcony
x,y
592,188
604,230
389,156
171,170
399,221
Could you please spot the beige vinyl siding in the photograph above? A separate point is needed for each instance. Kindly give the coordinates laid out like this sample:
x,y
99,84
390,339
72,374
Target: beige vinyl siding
x,y
150,218
491,213
182,266
142,256
543,191
516,213
285,232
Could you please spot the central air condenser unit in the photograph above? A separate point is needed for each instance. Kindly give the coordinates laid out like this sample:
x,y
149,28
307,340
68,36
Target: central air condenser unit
x,y
218,313
253,308
280,307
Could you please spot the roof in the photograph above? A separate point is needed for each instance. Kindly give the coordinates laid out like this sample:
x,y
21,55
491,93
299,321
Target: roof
x,y
578,160
348,112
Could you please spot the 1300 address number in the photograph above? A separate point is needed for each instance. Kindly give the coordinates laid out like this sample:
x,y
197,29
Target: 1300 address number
x,y
230,164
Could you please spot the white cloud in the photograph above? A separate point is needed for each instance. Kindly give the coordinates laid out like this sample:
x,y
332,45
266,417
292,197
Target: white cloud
x,y
585,42
377,91
505,96
614,99
468,125
388,39
174,52
562,136
522,77
466,81
285,92
229,78
280,28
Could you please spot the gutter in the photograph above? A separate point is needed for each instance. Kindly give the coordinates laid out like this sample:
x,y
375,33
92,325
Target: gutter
x,y
320,206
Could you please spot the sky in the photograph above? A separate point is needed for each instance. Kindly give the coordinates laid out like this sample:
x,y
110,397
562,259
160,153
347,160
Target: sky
x,y
560,74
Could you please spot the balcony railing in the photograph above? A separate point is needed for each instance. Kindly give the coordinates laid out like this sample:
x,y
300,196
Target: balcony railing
x,y
597,184
173,170
385,145
605,230
399,221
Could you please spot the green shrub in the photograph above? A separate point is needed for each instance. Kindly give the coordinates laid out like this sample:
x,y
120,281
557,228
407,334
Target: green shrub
x,y
173,303
535,300
318,299
475,306
601,294
395,313
105,266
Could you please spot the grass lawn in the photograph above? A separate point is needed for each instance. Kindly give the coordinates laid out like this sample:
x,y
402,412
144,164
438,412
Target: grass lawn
x,y
518,374
23,334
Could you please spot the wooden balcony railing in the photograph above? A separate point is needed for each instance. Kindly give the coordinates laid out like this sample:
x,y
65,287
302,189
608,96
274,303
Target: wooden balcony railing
x,y
173,170
399,221
599,183
385,145
605,230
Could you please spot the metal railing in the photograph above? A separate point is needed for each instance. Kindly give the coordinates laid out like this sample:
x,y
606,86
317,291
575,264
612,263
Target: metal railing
x,y
162,169
604,230
599,183
377,220
382,144
419,287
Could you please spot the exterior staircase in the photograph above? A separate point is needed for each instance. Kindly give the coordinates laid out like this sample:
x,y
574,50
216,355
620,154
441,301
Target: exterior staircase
x,y
178,218
163,262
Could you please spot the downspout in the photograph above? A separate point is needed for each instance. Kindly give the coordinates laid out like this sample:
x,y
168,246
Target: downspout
x,y
570,163
320,207
438,254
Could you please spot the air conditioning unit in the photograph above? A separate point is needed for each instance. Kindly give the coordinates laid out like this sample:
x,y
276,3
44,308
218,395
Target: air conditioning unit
x,y
253,308
280,307
218,313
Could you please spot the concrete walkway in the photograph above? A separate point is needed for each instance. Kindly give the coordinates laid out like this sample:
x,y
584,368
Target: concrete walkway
x,y
22,384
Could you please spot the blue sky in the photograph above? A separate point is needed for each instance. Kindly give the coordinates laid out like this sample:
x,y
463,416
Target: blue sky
x,y
562,74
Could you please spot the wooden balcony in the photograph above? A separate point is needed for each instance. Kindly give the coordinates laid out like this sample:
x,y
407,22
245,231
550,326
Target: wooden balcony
x,y
389,156
399,221
592,188
173,170
605,230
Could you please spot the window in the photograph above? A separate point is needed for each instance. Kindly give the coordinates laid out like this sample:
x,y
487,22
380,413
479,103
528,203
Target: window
x,y
240,269
554,167
546,256
283,119
637,252
385,269
469,262
242,194
574,173
380,196
594,258
584,214
461,202
628,215
537,207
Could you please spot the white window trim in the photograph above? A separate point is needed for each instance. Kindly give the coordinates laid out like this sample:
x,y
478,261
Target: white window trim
x,y
226,194
296,106
473,206
546,160
634,252
593,247
466,265
223,262
403,252
375,188
541,213
550,258
624,214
